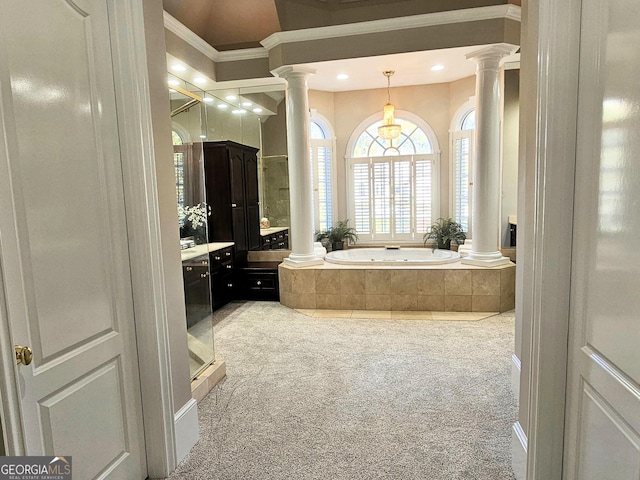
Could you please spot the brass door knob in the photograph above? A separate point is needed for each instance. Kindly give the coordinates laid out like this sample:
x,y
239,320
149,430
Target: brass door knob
x,y
24,355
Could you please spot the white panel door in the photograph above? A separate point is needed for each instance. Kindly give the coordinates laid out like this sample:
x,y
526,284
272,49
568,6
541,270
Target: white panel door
x,y
602,439
64,248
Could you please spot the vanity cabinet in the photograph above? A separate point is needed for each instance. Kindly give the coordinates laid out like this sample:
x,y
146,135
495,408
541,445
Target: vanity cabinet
x,y
223,283
259,281
278,240
195,274
231,184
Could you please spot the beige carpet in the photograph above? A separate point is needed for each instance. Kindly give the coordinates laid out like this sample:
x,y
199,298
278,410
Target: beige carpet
x,y
344,398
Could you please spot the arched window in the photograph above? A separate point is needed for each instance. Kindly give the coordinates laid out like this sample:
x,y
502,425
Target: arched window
x,y
462,160
177,139
393,183
322,147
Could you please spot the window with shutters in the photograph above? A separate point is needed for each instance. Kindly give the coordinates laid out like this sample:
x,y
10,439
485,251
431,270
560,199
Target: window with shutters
x,y
462,169
178,164
392,196
321,144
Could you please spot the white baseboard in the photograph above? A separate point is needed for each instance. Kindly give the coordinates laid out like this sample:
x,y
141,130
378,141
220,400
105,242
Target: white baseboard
x,y
187,428
519,452
515,377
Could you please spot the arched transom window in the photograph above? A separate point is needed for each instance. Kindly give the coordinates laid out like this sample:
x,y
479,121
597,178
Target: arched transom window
x,y
392,183
412,140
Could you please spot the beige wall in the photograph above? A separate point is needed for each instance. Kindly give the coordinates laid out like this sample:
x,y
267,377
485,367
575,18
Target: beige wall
x,y
297,15
165,175
510,136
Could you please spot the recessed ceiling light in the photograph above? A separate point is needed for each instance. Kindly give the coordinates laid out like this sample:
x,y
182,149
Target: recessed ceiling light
x,y
171,90
176,67
246,104
203,136
342,76
200,80
257,110
208,99
231,98
239,111
173,82
437,68
222,106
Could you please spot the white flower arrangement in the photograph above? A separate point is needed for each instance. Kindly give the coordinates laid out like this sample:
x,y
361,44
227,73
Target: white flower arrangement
x,y
195,215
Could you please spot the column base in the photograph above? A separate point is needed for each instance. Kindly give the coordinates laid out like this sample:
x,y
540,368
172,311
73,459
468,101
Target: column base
x,y
493,259
297,260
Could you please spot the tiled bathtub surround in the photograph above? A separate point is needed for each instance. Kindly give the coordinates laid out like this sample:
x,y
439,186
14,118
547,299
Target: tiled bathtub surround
x,y
446,288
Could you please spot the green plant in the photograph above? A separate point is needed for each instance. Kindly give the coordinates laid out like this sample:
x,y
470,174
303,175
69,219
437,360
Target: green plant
x,y
445,231
341,232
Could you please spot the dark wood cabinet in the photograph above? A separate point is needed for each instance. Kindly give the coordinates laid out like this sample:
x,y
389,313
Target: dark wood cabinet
x,y
197,296
259,281
275,241
231,183
223,281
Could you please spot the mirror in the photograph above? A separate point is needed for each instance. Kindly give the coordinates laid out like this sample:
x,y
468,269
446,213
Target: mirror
x,y
186,112
248,115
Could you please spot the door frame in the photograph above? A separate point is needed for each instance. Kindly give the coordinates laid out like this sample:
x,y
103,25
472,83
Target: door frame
x,y
550,60
131,78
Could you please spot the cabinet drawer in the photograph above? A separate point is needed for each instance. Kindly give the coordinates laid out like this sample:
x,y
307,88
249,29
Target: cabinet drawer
x,y
261,282
221,257
265,242
259,285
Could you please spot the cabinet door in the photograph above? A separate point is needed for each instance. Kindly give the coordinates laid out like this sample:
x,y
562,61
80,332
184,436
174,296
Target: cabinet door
x,y
253,207
217,174
251,177
237,177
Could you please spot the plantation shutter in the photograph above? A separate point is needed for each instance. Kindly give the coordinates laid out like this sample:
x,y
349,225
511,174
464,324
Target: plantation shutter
x,y
402,196
424,195
382,197
320,153
361,198
462,179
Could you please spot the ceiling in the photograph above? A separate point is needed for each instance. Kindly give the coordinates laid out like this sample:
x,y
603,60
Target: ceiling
x,y
243,23
410,69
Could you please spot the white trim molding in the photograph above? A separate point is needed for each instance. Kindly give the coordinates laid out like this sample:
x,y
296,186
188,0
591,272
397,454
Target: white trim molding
x,y
511,12
181,31
549,108
516,367
187,428
519,451
243,54
136,127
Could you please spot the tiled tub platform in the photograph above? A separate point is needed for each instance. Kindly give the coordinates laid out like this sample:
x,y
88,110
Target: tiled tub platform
x,y
445,288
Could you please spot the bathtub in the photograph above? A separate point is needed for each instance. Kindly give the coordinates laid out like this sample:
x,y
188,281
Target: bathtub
x,y
400,256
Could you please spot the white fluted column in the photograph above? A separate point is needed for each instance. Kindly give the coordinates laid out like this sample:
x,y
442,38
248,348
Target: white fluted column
x,y
487,175
300,183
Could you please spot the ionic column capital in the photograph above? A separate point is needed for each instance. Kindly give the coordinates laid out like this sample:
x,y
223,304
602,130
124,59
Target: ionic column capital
x,y
290,72
490,56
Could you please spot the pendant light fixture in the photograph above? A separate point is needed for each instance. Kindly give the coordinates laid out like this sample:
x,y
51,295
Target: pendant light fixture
x,y
389,129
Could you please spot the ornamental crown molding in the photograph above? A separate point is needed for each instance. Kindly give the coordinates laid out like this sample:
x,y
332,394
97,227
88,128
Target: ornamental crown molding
x,y
512,12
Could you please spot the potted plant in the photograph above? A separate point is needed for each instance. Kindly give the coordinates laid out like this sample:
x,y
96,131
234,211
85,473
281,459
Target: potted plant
x,y
444,231
337,235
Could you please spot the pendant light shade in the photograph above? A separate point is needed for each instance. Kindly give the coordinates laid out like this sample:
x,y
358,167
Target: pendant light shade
x,y
389,129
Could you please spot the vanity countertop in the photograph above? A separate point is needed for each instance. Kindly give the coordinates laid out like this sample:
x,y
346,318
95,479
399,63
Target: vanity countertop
x,y
269,231
193,252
